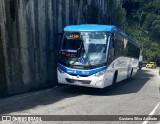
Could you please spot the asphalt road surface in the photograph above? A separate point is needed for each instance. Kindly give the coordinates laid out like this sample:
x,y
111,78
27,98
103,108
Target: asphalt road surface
x,y
138,96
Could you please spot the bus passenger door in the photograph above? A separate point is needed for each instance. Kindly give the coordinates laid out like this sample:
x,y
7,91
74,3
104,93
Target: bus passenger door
x,y
112,52
111,65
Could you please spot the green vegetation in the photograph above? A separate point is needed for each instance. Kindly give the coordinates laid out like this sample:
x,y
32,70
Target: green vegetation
x,y
143,25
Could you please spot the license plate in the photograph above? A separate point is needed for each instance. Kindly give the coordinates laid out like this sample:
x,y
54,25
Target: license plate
x,y
77,82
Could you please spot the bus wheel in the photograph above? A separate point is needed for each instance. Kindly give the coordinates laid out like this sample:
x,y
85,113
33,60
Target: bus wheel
x,y
114,79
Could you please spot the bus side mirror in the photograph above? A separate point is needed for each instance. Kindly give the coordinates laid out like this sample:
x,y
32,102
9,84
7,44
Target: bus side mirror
x,y
112,52
113,40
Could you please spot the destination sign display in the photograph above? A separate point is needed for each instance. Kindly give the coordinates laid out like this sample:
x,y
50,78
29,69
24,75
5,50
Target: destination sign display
x,y
73,36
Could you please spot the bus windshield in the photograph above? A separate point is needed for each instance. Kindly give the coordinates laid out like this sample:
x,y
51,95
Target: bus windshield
x,y
84,48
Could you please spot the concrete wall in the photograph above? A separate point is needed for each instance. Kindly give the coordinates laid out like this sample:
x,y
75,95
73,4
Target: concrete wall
x,y
29,35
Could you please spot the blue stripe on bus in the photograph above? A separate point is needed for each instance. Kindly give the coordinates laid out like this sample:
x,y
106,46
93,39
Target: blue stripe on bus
x,y
81,72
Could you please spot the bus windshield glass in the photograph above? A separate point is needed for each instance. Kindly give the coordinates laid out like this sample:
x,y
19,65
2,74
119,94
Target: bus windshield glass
x,y
84,48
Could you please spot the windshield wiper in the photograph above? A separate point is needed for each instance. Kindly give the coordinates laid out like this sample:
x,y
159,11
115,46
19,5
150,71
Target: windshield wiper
x,y
89,63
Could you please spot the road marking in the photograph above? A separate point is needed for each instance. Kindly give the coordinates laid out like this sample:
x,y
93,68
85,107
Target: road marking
x,y
152,112
159,81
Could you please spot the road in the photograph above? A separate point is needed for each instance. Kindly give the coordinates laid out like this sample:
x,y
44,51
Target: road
x,y
138,96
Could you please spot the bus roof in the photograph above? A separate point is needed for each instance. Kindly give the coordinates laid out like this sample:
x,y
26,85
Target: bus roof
x,y
89,27
97,27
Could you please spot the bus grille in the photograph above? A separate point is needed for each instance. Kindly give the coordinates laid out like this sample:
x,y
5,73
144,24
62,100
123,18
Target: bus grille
x,y
81,81
79,75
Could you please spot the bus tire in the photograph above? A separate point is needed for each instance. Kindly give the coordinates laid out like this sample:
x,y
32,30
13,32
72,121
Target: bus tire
x,y
114,79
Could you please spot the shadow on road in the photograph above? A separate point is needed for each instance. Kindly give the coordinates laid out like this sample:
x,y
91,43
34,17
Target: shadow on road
x,y
145,73
20,104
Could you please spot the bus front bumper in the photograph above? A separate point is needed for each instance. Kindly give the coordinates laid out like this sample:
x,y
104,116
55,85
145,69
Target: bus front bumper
x,y
90,81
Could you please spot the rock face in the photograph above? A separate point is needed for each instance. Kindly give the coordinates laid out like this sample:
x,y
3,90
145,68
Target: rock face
x,y
3,85
29,28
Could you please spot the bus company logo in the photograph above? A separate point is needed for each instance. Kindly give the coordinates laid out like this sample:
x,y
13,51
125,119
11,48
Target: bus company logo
x,y
75,72
70,71
6,118
85,72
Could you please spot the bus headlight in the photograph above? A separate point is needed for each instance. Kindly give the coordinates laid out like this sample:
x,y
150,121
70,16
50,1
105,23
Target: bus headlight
x,y
100,73
60,70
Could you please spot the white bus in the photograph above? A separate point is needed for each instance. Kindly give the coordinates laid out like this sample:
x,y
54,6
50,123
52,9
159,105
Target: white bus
x,y
96,56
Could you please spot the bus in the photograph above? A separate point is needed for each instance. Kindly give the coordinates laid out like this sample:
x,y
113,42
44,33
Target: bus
x,y
96,56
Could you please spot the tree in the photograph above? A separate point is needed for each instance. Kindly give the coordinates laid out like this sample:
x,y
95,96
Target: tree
x,y
143,24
